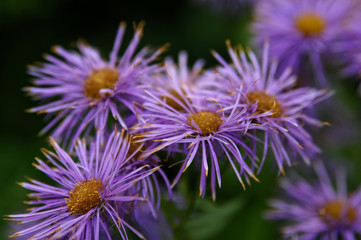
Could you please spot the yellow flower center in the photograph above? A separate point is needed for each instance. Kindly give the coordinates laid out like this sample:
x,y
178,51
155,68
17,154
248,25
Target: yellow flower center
x,y
84,197
337,211
207,122
310,24
171,102
99,79
266,103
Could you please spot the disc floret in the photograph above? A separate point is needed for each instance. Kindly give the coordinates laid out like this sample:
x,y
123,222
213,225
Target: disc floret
x,y
84,197
100,79
310,24
207,122
266,103
337,211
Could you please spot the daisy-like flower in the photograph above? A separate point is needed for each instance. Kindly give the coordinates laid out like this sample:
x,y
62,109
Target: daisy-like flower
x,y
273,101
90,195
317,210
301,28
81,90
199,127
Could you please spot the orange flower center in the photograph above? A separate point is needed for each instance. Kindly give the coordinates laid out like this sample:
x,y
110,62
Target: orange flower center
x,y
266,103
84,197
99,79
310,24
337,211
207,122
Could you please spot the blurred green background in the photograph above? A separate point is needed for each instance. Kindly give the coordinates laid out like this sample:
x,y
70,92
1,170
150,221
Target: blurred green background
x,y
30,27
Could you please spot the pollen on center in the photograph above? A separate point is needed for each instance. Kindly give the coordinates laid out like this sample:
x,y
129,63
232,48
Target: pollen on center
x,y
84,197
99,79
266,103
338,211
310,24
208,122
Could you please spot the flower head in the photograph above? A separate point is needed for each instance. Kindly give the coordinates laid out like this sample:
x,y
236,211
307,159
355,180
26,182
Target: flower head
x,y
80,90
90,193
301,28
316,210
273,101
200,128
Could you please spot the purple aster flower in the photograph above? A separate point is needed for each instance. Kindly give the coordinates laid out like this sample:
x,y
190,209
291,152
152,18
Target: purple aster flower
x,y
80,90
301,28
90,196
274,103
197,125
317,210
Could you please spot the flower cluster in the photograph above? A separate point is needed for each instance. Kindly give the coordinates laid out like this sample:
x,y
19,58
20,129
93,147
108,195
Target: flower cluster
x,y
221,115
114,124
101,180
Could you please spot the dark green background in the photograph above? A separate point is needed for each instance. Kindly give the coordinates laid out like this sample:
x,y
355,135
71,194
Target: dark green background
x,y
30,27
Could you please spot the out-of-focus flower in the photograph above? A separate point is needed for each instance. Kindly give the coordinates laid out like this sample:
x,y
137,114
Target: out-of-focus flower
x,y
273,101
189,121
316,210
348,49
152,228
302,29
91,193
81,90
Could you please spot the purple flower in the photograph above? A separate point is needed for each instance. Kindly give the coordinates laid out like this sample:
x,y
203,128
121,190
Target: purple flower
x,y
301,28
274,103
89,195
316,210
80,90
176,116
